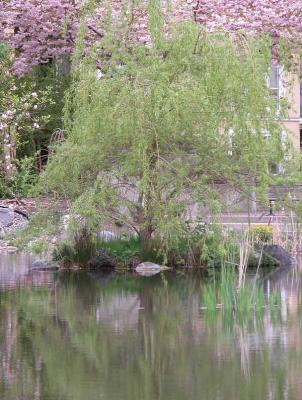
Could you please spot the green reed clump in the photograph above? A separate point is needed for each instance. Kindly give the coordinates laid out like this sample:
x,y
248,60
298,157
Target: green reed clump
x,y
209,297
76,251
225,293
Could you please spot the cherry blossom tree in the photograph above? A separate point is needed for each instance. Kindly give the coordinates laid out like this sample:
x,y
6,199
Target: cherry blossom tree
x,y
40,31
280,19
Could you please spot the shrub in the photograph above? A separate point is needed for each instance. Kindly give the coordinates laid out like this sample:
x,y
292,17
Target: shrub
x,y
25,178
77,251
5,190
262,233
128,251
85,250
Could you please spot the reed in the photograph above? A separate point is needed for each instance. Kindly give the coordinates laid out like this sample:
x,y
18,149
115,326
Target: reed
x,y
226,293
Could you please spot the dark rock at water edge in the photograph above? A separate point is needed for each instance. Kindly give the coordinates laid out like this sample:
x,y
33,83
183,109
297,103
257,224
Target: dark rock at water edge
x,y
266,259
102,259
279,254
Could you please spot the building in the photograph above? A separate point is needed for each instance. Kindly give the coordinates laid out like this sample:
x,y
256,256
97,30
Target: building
x,y
287,86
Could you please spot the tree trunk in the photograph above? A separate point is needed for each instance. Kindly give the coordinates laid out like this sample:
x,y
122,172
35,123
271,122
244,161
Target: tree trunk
x,y
146,237
147,203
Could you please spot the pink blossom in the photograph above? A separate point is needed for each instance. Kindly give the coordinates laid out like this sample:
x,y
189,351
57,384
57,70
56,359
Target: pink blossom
x,y
40,30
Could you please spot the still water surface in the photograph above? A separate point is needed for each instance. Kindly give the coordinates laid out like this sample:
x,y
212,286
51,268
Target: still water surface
x,y
80,336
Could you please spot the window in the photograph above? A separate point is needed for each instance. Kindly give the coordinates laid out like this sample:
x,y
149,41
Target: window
x,y
274,83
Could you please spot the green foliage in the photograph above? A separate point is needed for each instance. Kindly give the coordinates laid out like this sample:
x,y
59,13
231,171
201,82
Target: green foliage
x,y
204,245
5,78
83,247
39,246
126,250
77,251
65,254
262,233
5,190
25,177
152,136
266,260
31,108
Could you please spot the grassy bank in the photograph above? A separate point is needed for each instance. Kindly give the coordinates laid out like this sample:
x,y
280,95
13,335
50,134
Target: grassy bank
x,y
203,247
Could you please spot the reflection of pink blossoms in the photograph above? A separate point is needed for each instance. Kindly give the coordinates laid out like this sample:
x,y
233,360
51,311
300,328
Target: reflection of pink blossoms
x,y
41,30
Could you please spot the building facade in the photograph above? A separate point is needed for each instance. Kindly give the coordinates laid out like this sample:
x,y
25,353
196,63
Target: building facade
x,y
287,86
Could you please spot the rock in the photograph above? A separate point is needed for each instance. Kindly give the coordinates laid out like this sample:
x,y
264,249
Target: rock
x,y
106,235
266,260
280,254
40,265
7,216
102,259
19,222
149,269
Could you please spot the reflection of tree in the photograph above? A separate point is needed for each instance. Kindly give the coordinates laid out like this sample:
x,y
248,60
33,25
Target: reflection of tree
x,y
64,344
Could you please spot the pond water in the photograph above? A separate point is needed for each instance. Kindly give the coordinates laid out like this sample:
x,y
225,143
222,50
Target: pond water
x,y
81,336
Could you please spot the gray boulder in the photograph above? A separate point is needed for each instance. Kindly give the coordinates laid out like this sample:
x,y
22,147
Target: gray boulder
x,y
7,216
280,254
149,269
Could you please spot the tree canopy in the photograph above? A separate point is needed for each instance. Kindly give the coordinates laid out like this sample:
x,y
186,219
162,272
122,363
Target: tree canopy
x,y
161,126
42,30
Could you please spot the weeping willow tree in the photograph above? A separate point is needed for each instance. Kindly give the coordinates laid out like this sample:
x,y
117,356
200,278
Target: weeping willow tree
x,y
153,132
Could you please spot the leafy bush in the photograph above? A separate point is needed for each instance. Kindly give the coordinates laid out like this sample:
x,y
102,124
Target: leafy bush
x,y
204,245
127,251
22,182
262,234
25,178
5,190
86,250
65,254
77,251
